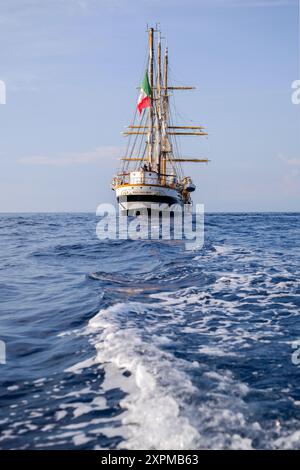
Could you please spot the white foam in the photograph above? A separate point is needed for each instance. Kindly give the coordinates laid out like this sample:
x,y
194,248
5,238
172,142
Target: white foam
x,y
222,249
60,415
79,366
152,418
291,441
159,409
80,439
12,388
215,351
156,414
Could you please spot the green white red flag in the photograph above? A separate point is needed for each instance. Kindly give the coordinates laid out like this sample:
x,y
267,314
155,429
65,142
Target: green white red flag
x,y
144,100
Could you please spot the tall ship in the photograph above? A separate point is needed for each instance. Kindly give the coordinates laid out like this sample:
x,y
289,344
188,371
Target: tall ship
x,y
151,171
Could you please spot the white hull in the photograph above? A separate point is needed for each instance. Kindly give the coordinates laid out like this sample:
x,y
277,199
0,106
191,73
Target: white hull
x,y
142,197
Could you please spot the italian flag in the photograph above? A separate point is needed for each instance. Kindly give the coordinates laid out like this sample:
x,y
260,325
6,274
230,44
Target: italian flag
x,y
145,95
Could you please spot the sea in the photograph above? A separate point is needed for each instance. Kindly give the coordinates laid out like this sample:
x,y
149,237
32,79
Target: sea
x,y
142,344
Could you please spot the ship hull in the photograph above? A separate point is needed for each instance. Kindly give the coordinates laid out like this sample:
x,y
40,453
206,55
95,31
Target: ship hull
x,y
145,197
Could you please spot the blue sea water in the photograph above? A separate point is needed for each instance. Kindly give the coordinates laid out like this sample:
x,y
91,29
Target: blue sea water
x,y
143,345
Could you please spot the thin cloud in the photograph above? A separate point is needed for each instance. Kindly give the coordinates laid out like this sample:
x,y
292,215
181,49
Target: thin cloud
x,y
293,161
264,3
291,175
27,7
229,3
291,182
99,155
289,161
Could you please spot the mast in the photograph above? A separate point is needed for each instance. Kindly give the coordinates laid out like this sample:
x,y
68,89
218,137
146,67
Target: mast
x,y
158,149
165,142
158,101
150,134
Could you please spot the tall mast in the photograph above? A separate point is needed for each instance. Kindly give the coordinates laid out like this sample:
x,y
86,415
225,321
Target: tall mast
x,y
159,149
165,117
166,97
158,101
150,134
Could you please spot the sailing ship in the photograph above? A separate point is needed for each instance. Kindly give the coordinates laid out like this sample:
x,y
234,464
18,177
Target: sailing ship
x,y
151,171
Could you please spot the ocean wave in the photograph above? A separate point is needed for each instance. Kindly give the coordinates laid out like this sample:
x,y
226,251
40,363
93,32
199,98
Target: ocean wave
x,y
122,344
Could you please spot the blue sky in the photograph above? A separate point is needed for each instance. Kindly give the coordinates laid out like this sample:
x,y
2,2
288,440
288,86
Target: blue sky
x,y
71,69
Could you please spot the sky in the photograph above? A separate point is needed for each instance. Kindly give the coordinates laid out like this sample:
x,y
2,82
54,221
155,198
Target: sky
x,y
72,68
